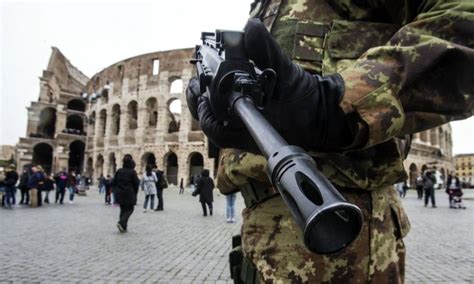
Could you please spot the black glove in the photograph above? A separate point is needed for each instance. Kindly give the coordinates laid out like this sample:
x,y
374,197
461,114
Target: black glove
x,y
220,133
304,108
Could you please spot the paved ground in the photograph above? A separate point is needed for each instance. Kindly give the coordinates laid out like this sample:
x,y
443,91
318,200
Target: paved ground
x,y
80,243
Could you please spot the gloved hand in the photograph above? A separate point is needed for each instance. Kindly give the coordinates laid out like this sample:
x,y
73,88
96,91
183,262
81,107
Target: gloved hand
x,y
221,134
304,108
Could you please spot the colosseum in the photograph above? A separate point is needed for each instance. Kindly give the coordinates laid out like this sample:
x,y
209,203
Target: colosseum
x,y
137,106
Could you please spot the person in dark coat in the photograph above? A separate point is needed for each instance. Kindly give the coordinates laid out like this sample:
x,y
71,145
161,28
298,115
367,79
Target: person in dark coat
x,y
160,185
61,179
35,184
204,188
108,189
11,177
125,186
48,186
23,186
429,180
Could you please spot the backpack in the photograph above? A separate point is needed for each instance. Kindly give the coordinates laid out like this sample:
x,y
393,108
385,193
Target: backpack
x,y
163,182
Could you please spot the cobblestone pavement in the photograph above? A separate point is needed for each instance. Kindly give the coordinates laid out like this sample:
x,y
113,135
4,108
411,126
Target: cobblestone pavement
x,y
80,243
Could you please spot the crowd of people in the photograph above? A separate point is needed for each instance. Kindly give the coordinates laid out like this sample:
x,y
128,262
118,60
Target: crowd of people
x,y
426,184
35,186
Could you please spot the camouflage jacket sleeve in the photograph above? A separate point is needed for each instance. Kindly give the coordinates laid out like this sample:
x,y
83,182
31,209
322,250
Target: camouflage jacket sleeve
x,y
421,78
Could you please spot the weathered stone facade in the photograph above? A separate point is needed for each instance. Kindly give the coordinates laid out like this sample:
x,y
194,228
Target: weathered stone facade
x,y
54,137
429,149
129,113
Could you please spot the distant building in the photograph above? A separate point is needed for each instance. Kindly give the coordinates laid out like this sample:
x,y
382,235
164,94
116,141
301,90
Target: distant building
x,y
7,152
465,168
430,149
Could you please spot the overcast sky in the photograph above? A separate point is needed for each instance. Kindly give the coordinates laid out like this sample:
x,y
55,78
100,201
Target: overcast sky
x,y
96,34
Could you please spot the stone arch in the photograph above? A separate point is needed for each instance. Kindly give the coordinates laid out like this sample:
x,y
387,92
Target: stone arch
x,y
112,164
176,85
76,156
132,114
43,156
148,158
102,122
115,119
76,104
47,123
196,164
174,115
413,175
152,112
74,124
423,168
90,168
99,166
171,167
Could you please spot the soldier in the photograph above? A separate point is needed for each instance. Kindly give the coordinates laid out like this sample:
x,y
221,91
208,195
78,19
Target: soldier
x,y
375,73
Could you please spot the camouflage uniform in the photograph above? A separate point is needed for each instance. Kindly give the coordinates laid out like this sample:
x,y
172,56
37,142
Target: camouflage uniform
x,y
408,66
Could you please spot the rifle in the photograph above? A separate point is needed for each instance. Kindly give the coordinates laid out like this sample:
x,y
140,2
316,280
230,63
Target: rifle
x,y
237,90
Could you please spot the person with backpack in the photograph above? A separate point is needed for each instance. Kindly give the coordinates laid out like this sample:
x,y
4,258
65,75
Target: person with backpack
x,y
160,185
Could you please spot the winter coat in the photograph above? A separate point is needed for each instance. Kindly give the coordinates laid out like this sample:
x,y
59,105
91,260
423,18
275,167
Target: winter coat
x,y
48,184
61,180
125,185
11,177
71,181
24,181
149,183
204,188
35,180
429,181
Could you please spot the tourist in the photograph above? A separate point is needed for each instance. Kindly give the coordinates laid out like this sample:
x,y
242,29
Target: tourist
x,y
429,180
230,212
71,186
34,185
47,187
61,179
11,177
181,187
108,189
204,188
160,185
101,184
149,187
419,186
41,185
125,185
23,186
